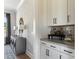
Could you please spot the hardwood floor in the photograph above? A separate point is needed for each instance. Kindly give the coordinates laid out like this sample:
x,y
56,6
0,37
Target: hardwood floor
x,y
23,56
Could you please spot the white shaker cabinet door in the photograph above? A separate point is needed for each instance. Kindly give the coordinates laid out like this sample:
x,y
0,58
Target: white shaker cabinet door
x,y
57,12
52,12
61,12
42,52
54,54
71,12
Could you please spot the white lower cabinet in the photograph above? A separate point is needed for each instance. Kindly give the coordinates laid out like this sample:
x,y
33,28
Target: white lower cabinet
x,y
47,53
52,52
44,52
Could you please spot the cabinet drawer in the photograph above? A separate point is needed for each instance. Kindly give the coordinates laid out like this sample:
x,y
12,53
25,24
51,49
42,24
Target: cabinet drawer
x,y
54,46
51,45
67,51
44,43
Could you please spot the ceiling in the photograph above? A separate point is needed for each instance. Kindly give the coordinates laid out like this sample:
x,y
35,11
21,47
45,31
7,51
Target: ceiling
x,y
11,4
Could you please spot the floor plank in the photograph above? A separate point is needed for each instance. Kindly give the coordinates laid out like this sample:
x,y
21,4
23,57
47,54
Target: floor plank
x,y
23,56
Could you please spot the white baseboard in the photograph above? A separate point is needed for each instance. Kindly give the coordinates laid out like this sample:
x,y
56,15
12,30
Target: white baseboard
x,y
29,54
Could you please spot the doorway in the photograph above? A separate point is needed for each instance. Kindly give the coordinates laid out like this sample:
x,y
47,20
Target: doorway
x,y
7,28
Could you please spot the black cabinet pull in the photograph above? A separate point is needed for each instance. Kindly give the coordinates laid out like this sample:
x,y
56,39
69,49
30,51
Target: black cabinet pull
x,y
47,52
60,56
43,43
67,51
52,46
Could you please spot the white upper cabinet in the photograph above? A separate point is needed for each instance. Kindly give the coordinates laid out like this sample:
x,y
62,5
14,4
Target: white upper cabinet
x,y
71,12
57,12
60,12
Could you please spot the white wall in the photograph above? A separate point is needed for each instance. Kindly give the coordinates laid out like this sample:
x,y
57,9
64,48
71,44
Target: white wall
x,y
34,13
43,29
26,12
41,26
13,18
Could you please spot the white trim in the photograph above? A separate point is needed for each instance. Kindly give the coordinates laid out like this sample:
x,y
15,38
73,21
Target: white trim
x,y
29,54
20,3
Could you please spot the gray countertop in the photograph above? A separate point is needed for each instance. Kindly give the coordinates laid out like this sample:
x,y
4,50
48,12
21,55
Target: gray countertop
x,y
70,44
